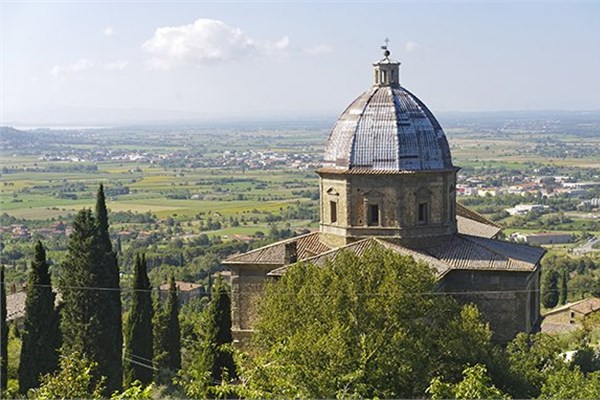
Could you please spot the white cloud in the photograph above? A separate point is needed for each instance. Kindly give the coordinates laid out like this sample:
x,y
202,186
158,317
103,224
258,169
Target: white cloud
x,y
78,66
108,31
318,49
411,46
117,65
205,40
283,43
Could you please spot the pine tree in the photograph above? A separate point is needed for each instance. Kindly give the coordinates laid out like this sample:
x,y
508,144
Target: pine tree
x,y
138,340
550,289
3,335
218,333
41,334
564,290
110,364
172,331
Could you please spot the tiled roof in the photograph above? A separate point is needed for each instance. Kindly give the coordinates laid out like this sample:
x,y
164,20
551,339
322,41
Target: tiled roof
x,y
471,252
471,227
307,246
586,306
387,128
455,252
473,215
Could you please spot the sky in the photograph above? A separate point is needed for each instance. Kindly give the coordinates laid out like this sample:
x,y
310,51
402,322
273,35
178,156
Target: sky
x,y
110,62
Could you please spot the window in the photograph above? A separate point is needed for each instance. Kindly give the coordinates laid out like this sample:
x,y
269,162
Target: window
x,y
333,211
373,214
423,213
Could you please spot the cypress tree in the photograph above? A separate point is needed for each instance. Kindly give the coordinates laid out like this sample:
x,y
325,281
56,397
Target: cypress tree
x,y
173,333
159,345
564,290
218,333
550,289
138,339
80,324
41,335
3,335
110,364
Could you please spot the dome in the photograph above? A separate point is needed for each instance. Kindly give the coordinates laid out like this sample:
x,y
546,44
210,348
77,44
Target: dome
x,y
387,129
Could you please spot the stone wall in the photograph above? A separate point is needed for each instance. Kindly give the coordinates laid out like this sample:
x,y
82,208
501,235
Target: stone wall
x,y
508,300
247,288
397,197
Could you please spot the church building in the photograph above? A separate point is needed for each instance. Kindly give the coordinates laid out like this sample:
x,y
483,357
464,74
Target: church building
x,y
388,181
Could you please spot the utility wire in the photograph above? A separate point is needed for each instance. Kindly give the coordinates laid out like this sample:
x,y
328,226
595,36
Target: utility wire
x,y
432,293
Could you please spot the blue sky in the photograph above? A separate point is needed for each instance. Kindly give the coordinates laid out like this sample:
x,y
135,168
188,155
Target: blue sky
x,y
103,62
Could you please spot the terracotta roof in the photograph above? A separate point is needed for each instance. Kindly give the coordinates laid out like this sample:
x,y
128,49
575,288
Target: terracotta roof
x,y
584,306
307,246
587,306
181,286
456,252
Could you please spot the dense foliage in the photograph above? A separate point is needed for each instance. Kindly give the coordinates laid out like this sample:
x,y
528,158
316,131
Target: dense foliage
x,y
77,378
41,335
138,356
549,288
218,333
109,315
167,336
89,282
367,326
3,334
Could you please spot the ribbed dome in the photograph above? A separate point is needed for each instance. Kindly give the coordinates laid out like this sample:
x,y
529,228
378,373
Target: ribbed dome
x,y
387,128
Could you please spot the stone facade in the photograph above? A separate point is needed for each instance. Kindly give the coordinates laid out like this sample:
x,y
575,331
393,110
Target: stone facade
x,y
356,206
509,301
388,182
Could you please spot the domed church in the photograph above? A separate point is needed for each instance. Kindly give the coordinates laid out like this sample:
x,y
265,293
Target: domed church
x,y
388,181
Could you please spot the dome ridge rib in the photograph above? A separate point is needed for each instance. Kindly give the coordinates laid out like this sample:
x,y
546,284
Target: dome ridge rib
x,y
387,128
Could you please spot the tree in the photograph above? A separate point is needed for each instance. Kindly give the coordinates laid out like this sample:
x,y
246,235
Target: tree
x,y
364,326
550,289
167,336
41,334
110,364
3,335
173,332
571,383
531,358
564,291
80,283
211,354
159,344
138,339
476,384
75,379
218,333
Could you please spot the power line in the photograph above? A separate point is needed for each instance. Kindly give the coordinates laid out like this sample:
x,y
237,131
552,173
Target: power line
x,y
327,293
141,364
